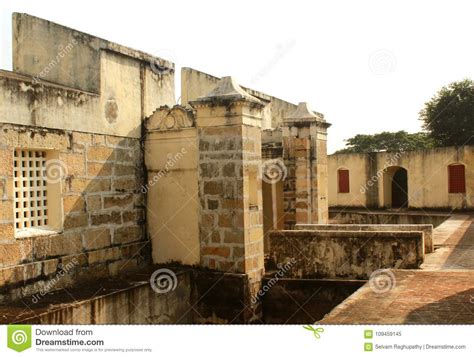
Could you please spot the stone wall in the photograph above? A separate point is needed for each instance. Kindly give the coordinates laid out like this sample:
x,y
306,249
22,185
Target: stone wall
x,y
102,210
370,178
354,216
304,301
426,229
226,167
81,101
195,84
127,299
195,296
66,79
348,255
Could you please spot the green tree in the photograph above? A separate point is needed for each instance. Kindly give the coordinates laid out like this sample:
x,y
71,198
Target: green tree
x,y
387,141
449,115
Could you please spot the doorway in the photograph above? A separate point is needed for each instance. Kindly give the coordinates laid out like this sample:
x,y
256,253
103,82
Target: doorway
x,y
400,188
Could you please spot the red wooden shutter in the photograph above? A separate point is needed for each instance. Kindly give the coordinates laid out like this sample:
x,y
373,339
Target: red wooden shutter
x,y
457,179
343,177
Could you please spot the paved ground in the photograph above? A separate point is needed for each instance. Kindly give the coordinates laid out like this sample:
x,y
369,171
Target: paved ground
x,y
454,243
441,293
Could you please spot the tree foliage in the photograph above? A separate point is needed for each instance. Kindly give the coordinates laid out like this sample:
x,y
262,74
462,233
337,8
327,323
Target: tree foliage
x,y
449,115
387,141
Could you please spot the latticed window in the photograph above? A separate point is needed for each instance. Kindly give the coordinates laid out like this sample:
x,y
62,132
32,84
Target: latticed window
x,y
30,189
457,178
343,180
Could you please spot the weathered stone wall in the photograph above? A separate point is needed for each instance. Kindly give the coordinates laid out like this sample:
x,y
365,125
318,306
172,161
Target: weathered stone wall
x,y
370,178
354,216
196,296
66,79
195,84
349,255
222,298
102,210
426,229
128,299
304,301
81,100
225,169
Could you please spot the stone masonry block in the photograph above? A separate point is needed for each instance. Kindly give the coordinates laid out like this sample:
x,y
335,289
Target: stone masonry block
x,y
113,217
75,163
125,201
127,234
73,204
96,238
99,169
100,153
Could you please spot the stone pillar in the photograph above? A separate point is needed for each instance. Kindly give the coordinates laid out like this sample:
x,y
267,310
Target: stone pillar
x,y
305,155
230,189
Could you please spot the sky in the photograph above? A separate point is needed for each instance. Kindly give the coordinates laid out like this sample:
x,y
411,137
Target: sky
x,y
368,66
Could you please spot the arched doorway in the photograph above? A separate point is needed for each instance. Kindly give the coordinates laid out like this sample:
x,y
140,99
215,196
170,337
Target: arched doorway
x,y
400,188
395,187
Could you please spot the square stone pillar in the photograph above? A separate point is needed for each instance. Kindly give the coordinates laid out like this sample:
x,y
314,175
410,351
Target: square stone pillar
x,y
230,188
305,155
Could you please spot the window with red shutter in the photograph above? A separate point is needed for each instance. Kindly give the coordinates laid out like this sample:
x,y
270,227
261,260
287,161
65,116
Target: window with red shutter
x,y
343,180
457,178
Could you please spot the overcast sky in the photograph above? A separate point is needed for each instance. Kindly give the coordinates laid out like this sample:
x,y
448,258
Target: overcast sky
x,y
369,66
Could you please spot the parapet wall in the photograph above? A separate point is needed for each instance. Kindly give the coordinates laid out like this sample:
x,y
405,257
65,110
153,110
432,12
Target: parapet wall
x,y
66,79
344,254
426,229
354,216
195,84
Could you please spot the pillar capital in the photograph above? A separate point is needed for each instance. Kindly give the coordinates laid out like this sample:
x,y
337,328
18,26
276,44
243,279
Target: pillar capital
x,y
228,104
302,116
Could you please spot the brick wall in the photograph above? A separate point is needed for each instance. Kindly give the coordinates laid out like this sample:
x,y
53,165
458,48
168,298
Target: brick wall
x,y
103,211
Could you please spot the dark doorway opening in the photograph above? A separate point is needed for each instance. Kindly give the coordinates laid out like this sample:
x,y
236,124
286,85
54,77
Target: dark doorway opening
x,y
400,189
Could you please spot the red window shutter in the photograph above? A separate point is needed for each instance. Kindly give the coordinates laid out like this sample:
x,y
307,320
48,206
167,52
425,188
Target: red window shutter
x,y
457,179
343,177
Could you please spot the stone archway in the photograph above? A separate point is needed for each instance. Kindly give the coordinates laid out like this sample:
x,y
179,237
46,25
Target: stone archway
x,y
396,187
